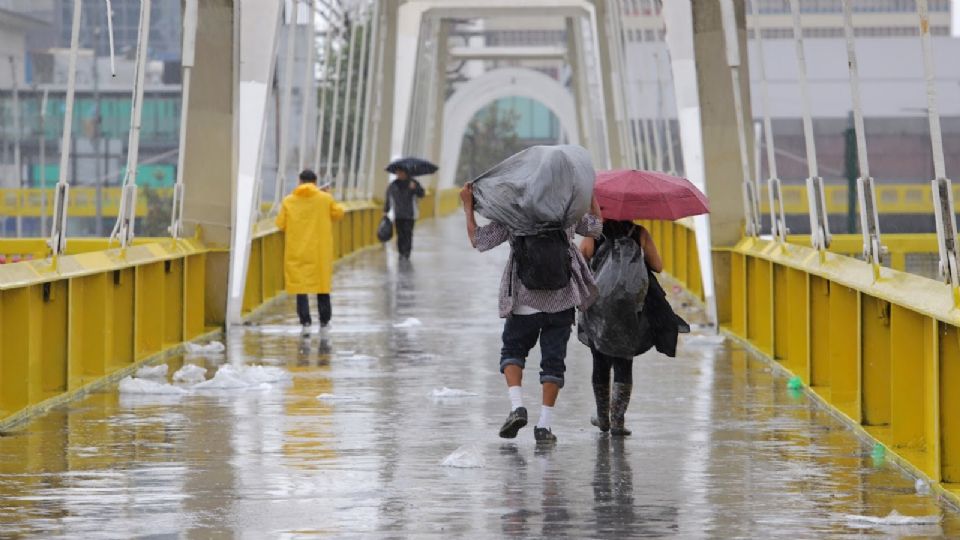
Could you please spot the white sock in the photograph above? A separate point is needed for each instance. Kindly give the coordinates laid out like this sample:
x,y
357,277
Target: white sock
x,y
516,397
545,416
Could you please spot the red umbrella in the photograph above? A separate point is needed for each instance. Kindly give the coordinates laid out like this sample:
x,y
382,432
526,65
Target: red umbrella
x,y
629,194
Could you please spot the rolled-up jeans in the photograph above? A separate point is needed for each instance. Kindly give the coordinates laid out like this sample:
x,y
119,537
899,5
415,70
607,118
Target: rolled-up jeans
x,y
521,333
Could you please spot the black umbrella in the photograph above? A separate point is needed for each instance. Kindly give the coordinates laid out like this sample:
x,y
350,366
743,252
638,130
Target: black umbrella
x,y
413,166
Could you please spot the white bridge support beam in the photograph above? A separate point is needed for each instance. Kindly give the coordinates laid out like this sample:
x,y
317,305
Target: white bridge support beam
x,y
404,37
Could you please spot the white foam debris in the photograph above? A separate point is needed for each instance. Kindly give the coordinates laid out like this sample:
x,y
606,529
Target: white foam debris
x,y
333,398
234,377
205,348
450,393
152,372
190,374
409,322
129,385
703,339
465,457
895,518
922,487
358,358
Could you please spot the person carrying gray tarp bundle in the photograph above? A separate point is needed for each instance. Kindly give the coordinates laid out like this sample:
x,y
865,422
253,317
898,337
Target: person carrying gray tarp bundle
x,y
536,200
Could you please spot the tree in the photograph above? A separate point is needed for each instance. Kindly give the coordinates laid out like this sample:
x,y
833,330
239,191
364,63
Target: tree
x,y
490,138
155,223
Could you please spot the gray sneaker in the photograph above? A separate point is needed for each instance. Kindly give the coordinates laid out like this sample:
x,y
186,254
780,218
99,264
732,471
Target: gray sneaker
x,y
515,420
543,435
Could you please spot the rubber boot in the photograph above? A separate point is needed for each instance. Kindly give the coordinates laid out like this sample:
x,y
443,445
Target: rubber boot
x,y
601,392
619,402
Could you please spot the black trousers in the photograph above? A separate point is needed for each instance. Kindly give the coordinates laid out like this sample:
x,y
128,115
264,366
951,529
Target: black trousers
x,y
622,368
323,305
405,236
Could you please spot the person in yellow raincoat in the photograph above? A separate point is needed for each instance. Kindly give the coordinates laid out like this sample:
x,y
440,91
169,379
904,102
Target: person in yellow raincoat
x,y
306,217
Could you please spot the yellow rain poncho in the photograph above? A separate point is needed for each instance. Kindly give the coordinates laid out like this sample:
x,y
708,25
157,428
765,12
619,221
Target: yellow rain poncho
x,y
306,217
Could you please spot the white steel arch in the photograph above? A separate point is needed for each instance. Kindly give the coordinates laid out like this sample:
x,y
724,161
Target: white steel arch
x,y
470,98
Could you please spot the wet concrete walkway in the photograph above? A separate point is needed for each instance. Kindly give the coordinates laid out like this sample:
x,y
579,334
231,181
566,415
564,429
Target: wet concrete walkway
x,y
721,449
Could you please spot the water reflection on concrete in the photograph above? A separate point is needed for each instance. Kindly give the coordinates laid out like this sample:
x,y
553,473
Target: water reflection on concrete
x,y
720,449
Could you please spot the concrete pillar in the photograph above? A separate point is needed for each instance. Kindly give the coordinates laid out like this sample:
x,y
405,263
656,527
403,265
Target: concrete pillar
x,y
210,163
708,126
578,83
236,48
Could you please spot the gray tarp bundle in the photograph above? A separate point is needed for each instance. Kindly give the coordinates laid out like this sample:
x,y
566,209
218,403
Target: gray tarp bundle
x,y
612,324
540,188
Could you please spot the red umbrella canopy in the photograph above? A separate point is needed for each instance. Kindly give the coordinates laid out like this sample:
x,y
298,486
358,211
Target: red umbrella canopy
x,y
630,194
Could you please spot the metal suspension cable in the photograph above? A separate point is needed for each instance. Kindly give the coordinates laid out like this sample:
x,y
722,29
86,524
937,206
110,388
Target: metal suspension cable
x,y
622,40
357,119
283,119
345,116
372,63
778,227
616,59
819,225
661,79
377,106
941,185
113,62
58,231
307,94
123,230
187,61
657,120
732,46
336,101
17,135
328,37
866,191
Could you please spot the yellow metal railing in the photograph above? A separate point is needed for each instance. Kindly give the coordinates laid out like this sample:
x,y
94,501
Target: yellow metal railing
x,y
98,313
883,353
677,244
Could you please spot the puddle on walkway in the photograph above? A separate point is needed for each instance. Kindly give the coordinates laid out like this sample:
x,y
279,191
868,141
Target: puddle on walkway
x,y
720,449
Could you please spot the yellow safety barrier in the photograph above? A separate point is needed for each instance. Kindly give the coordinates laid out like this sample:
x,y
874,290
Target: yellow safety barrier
x,y
881,352
94,315
677,244
98,314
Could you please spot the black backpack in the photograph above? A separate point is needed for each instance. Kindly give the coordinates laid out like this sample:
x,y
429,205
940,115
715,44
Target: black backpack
x,y
543,260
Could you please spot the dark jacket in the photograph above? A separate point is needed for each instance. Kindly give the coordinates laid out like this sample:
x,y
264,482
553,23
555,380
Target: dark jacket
x,y
659,325
402,199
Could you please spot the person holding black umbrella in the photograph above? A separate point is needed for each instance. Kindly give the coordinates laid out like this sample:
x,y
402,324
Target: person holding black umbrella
x,y
402,198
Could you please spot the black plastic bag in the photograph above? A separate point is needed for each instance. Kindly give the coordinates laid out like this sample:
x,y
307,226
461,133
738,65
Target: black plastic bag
x,y
385,229
612,325
543,260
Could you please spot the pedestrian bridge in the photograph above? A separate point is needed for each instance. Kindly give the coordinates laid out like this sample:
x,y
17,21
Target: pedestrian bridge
x,y
813,398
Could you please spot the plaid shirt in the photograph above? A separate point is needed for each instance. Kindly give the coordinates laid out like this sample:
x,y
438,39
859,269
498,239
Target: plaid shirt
x,y
580,292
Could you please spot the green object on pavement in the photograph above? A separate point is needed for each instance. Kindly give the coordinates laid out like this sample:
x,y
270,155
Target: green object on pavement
x,y
795,383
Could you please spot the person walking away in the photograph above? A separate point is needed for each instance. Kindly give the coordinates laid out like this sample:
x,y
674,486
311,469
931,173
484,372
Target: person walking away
x,y
306,217
604,323
535,314
402,197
